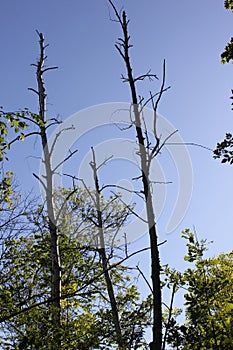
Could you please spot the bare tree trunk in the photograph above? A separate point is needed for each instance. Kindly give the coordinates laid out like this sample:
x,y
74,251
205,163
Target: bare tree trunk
x,y
146,156
104,259
53,230
156,344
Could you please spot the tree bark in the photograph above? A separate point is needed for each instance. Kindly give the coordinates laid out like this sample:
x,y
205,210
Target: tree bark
x,y
123,47
104,259
53,230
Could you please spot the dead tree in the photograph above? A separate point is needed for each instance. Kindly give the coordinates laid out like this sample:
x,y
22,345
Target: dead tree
x,y
42,123
103,256
25,118
147,151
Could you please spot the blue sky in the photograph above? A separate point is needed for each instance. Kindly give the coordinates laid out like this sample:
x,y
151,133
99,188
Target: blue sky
x,y
190,35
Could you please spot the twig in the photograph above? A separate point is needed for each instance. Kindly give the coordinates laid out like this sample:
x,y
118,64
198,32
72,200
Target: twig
x,y
130,209
39,179
188,144
64,160
145,279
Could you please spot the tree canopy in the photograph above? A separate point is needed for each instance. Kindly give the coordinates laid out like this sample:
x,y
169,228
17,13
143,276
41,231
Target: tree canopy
x,y
65,282
86,316
208,291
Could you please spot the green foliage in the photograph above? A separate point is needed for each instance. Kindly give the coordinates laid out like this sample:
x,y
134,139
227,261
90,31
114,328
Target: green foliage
x,y
228,4
78,216
208,301
211,285
224,149
195,249
86,314
227,54
25,283
10,121
6,191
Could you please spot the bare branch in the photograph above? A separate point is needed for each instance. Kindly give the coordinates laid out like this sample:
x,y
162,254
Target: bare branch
x,y
49,68
34,90
104,162
116,12
160,93
155,106
84,184
130,209
20,136
145,279
39,179
64,160
126,245
64,202
145,132
56,122
137,177
188,144
138,193
152,96
148,75
161,243
161,182
120,51
158,148
125,128
56,138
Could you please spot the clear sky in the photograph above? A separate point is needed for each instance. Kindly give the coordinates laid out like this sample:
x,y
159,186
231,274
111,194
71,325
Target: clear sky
x,y
190,35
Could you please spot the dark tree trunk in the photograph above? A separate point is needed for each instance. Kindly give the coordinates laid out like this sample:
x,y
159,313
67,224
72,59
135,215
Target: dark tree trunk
x,y
123,47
